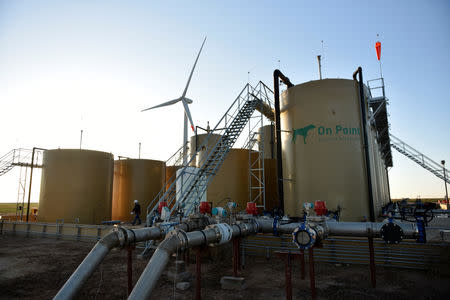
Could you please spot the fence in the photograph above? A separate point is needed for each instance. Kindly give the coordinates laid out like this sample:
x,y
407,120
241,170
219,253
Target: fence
x,y
350,250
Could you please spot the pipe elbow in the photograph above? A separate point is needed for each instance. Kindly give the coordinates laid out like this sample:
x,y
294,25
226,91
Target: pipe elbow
x,y
356,72
276,73
172,242
110,240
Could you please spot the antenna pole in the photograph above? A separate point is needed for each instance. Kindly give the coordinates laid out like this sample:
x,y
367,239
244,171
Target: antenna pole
x,y
81,137
320,67
139,150
381,71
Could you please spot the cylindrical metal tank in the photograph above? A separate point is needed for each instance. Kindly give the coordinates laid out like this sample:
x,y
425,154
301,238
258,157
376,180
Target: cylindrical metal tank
x,y
231,183
323,157
270,181
136,179
266,141
196,142
76,186
171,172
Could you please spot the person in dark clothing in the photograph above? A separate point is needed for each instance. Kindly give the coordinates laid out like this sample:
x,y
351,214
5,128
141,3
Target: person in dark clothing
x,y
137,212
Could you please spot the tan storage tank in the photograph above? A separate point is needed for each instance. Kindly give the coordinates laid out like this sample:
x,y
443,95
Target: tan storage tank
x,y
266,139
270,181
76,185
136,179
232,181
196,141
323,157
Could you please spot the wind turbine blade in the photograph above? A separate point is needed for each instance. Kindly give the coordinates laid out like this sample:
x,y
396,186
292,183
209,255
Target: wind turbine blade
x,y
193,68
171,102
188,113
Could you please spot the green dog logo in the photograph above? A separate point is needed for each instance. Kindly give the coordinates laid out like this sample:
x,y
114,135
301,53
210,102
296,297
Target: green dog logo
x,y
303,132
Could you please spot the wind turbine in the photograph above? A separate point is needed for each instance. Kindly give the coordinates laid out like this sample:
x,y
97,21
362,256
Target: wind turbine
x,y
185,101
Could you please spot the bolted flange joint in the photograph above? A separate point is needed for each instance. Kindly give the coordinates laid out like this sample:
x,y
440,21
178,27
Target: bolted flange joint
x,y
304,236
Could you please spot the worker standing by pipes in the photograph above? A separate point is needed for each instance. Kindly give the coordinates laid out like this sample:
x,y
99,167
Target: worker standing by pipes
x,y
137,212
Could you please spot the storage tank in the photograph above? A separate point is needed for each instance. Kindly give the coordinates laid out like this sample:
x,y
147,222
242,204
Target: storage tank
x,y
231,183
266,141
171,172
270,181
196,141
76,186
136,179
323,157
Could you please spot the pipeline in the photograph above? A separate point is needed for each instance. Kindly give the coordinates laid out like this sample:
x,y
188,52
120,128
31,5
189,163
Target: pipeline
x,y
366,145
118,237
178,240
276,91
305,236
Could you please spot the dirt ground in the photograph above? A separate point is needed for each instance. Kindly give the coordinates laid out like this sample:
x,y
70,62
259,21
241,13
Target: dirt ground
x,y
35,268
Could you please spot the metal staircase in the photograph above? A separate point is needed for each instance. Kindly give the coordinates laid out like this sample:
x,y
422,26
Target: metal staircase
x,y
419,158
185,190
15,157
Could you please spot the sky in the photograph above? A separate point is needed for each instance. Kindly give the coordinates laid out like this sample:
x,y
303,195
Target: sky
x,y
67,66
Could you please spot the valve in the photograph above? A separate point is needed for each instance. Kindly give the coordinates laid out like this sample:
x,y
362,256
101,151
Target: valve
x,y
205,207
161,205
304,236
251,208
320,208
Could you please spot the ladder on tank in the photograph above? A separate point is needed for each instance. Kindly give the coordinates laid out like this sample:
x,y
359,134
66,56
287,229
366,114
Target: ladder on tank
x,y
187,187
419,158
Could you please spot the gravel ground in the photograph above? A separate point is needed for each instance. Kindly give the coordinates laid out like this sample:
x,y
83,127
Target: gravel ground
x,y
35,268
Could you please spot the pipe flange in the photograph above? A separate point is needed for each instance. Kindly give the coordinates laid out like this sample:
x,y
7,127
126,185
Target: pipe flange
x,y
121,235
275,226
225,233
131,237
304,237
391,233
182,237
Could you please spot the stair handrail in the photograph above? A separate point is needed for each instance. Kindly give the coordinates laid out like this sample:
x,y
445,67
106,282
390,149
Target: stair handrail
x,y
425,159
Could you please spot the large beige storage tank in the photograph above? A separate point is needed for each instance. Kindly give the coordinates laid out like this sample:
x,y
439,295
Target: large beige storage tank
x,y
136,179
270,181
231,183
76,185
323,157
196,143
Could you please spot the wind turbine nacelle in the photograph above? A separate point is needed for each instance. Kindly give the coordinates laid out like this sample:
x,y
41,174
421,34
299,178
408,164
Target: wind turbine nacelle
x,y
188,101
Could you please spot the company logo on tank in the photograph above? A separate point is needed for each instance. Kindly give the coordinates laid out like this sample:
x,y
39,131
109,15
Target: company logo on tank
x,y
325,133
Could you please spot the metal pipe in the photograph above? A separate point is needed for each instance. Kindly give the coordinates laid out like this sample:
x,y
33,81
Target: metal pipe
x,y
312,274
87,267
372,263
388,185
177,240
364,229
360,229
130,268
365,141
302,264
276,76
99,252
31,180
161,257
198,278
